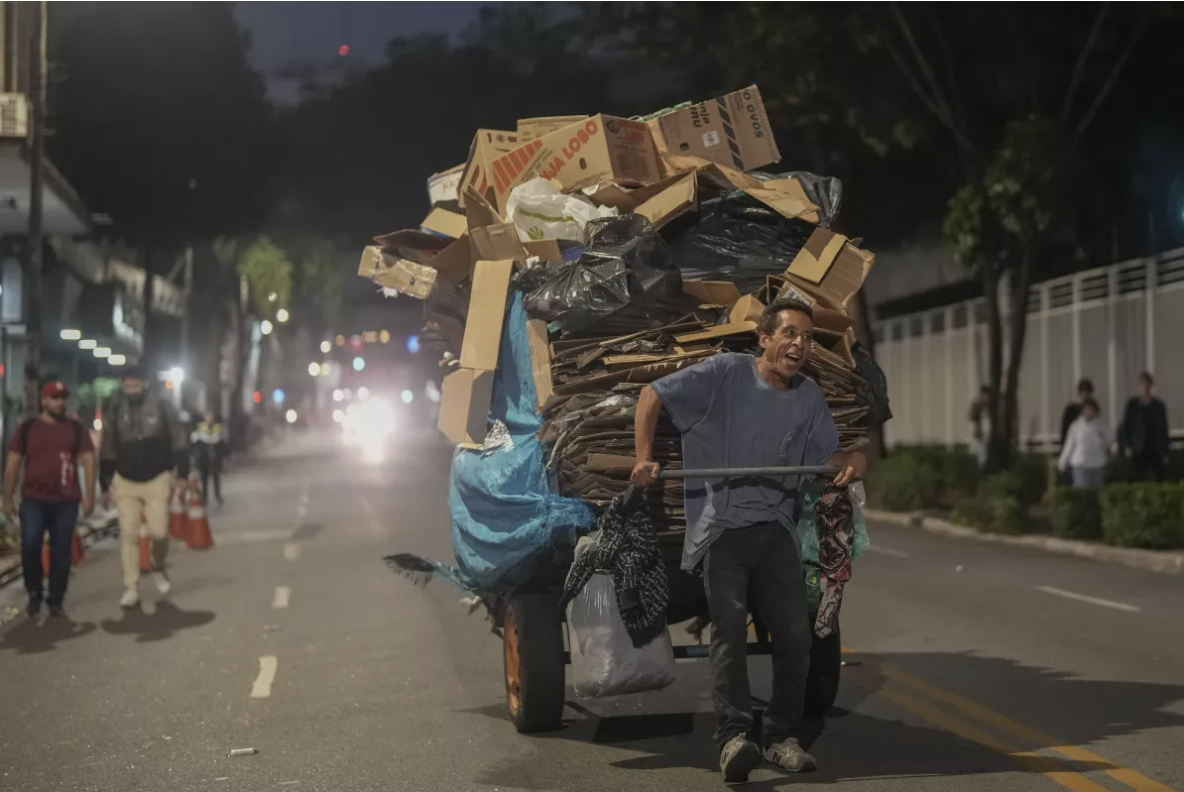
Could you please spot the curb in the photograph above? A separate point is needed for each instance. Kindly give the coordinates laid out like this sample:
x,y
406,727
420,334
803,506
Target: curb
x,y
1166,562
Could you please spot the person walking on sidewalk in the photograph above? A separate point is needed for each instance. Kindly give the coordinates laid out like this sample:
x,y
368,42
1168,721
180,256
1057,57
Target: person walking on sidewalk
x,y
208,445
1086,449
1143,435
144,443
734,410
52,447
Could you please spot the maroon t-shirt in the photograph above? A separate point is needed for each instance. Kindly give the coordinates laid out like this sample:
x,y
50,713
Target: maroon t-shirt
x,y
51,466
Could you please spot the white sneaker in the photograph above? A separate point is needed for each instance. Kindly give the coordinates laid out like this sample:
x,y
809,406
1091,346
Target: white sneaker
x,y
163,585
130,599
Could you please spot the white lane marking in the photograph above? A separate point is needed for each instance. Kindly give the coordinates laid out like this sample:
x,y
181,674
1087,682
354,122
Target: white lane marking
x,y
282,595
262,685
291,551
1104,603
887,551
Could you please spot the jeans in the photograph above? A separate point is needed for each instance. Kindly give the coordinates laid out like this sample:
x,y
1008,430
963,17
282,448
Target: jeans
x,y
59,519
1148,465
1088,477
211,469
765,557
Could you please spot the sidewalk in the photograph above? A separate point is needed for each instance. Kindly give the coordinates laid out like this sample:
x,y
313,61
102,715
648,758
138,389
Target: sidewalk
x,y
1161,561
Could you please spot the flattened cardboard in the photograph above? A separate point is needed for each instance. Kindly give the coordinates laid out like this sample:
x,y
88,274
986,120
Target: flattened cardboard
x,y
497,243
444,187
731,130
722,176
719,331
677,199
487,311
479,213
540,362
605,463
594,151
402,275
787,198
454,262
713,292
546,249
465,395
637,374
445,223
626,199
531,128
418,247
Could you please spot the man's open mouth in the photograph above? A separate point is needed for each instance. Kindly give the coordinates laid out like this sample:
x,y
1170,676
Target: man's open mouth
x,y
793,357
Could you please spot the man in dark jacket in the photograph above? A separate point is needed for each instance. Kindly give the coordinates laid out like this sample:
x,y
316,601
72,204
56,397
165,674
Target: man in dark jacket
x,y
1143,436
143,444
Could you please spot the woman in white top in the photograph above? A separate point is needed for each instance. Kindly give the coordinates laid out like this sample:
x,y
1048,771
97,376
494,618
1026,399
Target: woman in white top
x,y
1087,448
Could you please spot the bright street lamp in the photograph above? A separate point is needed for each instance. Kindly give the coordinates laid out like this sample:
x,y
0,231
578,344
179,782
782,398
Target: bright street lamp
x,y
265,327
102,352
177,375
117,360
87,343
291,416
359,364
71,335
325,347
314,369
282,315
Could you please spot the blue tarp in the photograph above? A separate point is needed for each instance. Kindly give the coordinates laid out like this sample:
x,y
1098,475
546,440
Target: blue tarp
x,y
503,508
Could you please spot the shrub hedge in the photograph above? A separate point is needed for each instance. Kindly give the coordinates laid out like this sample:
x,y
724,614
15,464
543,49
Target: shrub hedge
x,y
1144,514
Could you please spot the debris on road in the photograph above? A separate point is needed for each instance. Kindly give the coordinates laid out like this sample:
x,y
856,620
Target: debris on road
x,y
242,752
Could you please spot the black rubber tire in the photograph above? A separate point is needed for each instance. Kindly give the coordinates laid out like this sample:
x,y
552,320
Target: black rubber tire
x,y
537,622
822,683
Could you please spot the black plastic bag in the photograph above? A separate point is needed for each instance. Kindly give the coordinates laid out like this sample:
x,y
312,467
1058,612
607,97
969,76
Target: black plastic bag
x,y
875,395
624,262
740,240
825,192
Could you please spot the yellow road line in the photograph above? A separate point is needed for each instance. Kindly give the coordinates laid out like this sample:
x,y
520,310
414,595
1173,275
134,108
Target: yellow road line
x,y
1131,778
1039,764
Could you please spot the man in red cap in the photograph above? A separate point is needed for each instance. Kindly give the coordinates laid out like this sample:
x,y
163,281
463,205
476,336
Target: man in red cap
x,y
52,447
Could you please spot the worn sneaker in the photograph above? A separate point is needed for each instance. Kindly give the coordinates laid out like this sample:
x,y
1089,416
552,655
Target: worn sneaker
x,y
130,599
739,757
34,606
56,609
788,755
162,582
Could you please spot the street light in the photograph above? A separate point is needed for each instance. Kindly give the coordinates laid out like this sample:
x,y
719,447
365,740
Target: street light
x,y
265,327
314,369
71,335
359,364
291,416
281,315
87,343
117,360
102,352
272,297
325,347
338,395
177,374
407,397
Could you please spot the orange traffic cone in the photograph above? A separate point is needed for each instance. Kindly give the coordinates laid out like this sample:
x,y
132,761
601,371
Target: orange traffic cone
x,y
145,553
198,536
178,522
77,554
45,556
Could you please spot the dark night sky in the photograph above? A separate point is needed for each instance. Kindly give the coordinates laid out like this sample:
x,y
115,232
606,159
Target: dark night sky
x,y
284,32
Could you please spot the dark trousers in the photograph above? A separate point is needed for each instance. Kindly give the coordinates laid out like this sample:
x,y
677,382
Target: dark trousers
x,y
763,559
1148,466
59,519
211,469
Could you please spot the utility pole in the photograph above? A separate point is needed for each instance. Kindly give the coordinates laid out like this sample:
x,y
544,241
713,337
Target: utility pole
x,y
33,245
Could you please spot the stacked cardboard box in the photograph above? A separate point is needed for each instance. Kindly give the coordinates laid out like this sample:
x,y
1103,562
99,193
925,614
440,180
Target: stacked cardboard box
x,y
463,257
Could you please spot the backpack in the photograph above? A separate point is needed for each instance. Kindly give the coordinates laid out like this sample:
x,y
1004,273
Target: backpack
x,y
27,427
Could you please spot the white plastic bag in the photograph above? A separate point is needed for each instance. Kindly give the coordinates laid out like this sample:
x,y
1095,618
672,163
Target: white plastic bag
x,y
604,661
539,211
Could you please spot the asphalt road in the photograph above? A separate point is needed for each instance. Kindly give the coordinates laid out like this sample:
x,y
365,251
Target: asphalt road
x,y
971,666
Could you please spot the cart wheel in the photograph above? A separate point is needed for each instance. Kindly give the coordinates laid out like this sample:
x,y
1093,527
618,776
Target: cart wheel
x,y
822,684
533,639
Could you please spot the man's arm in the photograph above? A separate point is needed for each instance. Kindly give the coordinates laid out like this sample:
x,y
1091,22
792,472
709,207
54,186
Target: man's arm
x,y
177,439
645,425
87,460
108,447
10,475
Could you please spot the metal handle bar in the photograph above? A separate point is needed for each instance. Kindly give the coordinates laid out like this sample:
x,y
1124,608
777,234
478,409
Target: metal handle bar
x,y
800,470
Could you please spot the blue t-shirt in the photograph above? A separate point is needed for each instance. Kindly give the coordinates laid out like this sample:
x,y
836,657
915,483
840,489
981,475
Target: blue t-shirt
x,y
729,416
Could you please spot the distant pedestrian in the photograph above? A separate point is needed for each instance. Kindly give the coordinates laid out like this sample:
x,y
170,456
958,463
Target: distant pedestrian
x,y
978,419
1143,436
52,447
208,446
143,444
1085,392
1086,449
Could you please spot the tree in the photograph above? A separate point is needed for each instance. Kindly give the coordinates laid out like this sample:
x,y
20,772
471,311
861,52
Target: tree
x,y
1017,127
161,124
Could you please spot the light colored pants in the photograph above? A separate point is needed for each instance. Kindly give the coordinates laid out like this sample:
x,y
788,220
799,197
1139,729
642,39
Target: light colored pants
x,y
1088,477
142,503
